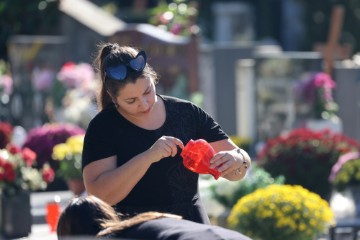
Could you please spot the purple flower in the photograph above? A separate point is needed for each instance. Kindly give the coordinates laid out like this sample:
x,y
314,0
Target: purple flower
x,y
316,90
42,139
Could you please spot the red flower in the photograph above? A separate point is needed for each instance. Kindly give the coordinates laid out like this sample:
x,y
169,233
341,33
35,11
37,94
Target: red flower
x,y
9,172
29,156
13,149
2,170
69,65
5,134
305,157
48,173
17,172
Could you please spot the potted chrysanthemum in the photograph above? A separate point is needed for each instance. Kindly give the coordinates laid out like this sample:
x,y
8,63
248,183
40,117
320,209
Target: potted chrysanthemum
x,y
345,175
317,92
42,139
346,171
69,156
281,212
19,176
305,157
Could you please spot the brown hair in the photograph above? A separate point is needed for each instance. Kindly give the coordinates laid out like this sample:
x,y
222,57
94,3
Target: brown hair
x,y
115,53
83,216
111,227
90,216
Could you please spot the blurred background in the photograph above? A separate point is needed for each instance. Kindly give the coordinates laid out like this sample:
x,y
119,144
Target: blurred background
x,y
230,57
281,77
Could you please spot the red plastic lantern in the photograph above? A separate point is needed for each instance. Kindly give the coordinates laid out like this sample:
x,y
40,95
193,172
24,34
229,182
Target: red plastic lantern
x,y
197,155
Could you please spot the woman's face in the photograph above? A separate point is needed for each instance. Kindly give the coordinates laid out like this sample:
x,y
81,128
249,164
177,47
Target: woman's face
x,y
137,99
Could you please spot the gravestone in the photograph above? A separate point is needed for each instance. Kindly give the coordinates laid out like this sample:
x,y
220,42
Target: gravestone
x,y
34,62
276,76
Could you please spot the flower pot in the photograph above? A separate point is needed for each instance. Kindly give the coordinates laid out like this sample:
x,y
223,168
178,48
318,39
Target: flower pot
x,y
333,124
222,218
15,215
76,186
355,192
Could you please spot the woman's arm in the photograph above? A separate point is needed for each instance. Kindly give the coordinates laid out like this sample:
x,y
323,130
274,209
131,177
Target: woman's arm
x,y
230,160
112,184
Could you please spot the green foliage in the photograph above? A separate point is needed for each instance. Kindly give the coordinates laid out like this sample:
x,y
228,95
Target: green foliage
x,y
36,17
228,193
348,175
177,17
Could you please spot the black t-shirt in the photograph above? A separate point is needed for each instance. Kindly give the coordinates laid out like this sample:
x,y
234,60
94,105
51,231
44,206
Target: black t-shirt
x,y
167,186
178,229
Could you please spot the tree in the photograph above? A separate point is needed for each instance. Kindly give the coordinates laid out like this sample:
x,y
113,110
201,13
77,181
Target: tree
x,y
36,17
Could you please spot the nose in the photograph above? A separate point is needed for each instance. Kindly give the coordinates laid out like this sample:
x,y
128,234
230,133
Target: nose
x,y
144,104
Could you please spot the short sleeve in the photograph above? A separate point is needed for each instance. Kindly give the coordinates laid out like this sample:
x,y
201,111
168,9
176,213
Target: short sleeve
x,y
208,128
99,142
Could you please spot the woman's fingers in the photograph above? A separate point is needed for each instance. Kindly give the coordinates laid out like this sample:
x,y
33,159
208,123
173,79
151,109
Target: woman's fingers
x,y
224,162
167,146
178,142
219,159
174,143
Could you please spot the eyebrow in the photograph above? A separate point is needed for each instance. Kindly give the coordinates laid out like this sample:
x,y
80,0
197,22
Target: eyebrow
x,y
133,98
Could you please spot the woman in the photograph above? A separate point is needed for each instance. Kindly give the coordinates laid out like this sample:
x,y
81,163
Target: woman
x,y
131,154
89,216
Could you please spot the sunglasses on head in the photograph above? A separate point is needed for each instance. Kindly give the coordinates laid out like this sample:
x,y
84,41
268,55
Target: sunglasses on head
x,y
119,72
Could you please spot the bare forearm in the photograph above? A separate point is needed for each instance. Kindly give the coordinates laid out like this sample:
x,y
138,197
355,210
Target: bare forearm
x,y
114,185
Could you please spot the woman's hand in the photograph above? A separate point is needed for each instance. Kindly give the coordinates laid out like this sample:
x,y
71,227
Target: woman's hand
x,y
230,163
165,147
225,162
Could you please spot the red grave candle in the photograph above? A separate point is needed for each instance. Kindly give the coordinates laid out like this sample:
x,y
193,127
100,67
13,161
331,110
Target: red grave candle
x,y
53,211
197,155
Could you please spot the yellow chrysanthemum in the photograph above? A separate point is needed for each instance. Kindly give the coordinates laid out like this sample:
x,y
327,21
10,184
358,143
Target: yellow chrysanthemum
x,y
69,155
281,212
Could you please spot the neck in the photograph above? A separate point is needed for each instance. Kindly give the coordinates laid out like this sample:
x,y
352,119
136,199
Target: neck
x,y
154,120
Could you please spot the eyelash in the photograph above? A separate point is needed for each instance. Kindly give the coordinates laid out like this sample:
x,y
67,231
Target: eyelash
x,y
146,93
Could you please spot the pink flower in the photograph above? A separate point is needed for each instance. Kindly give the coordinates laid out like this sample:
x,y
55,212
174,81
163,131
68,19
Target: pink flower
x,y
176,28
29,156
42,78
324,80
6,83
48,173
76,75
341,161
307,88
